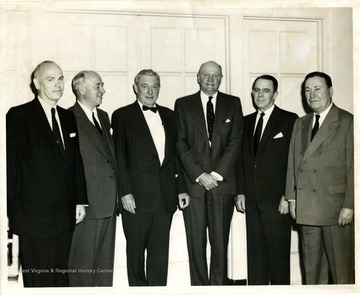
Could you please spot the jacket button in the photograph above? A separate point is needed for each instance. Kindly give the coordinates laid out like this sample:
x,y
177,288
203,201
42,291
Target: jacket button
x,y
314,171
314,190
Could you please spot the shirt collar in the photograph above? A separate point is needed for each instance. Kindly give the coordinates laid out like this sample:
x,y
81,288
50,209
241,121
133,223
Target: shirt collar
x,y
267,112
324,113
87,111
47,107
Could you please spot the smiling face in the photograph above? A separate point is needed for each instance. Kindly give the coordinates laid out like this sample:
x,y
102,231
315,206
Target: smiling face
x,y
49,82
93,90
263,94
209,78
147,90
318,94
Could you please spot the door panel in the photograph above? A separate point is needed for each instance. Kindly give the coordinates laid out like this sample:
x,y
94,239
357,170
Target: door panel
x,y
288,49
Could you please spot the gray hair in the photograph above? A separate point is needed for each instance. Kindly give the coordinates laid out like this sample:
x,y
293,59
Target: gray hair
x,y
146,72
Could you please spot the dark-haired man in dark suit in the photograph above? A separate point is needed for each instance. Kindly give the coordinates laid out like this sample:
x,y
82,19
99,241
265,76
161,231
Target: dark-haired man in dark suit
x,y
46,189
262,175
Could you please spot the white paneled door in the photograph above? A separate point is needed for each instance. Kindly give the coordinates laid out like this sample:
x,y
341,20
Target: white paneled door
x,y
285,48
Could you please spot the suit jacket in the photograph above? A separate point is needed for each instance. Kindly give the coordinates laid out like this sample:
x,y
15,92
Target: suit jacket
x,y
99,163
141,173
262,178
42,187
195,153
320,173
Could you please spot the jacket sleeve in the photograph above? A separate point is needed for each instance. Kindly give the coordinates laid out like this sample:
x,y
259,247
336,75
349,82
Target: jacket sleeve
x,y
15,144
118,123
290,190
349,193
233,147
187,157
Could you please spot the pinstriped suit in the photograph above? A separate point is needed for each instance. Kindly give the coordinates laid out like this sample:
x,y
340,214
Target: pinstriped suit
x,y
93,243
209,209
154,187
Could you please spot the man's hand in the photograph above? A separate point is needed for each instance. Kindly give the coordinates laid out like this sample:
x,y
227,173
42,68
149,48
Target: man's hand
x,y
346,216
184,200
292,208
80,213
283,206
240,203
208,181
128,203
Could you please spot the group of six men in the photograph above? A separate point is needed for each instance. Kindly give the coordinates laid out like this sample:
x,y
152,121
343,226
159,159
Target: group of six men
x,y
71,172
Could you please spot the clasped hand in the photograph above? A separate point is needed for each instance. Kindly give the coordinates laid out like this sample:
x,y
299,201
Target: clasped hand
x,y
208,181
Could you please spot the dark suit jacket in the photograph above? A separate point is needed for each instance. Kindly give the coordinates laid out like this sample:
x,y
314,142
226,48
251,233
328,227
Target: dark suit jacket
x,y
195,153
42,187
140,171
262,179
320,174
99,163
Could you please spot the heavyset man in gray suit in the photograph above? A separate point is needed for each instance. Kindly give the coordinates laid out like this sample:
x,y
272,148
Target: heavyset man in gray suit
x,y
91,258
320,184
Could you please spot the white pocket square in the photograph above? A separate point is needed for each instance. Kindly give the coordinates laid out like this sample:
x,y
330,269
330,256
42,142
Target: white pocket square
x,y
279,135
111,131
227,121
72,135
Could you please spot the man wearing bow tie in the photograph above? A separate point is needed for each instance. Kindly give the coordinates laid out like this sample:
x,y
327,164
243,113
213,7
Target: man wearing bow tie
x,y
46,186
209,125
145,144
262,174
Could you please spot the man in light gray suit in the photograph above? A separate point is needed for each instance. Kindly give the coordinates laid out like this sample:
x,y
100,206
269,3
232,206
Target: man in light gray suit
x,y
92,252
320,184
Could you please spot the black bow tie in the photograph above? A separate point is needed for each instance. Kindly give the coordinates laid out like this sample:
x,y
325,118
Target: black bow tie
x,y
153,109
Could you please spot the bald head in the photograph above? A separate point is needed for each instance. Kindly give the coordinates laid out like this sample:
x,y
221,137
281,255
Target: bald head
x,y
209,77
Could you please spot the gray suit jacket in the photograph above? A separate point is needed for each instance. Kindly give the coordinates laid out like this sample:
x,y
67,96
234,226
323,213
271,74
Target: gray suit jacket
x,y
99,163
320,174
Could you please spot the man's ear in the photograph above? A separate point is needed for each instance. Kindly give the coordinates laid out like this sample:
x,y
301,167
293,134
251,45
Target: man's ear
x,y
36,83
81,89
331,91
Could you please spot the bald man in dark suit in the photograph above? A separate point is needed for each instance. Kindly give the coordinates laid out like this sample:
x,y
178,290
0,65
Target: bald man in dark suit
x,y
209,126
46,189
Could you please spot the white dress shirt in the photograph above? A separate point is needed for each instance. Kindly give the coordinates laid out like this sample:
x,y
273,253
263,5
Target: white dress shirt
x,y
157,131
266,117
47,109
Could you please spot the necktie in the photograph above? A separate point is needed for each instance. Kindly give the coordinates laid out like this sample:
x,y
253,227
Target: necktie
x,y
258,131
153,109
56,131
97,125
210,117
316,127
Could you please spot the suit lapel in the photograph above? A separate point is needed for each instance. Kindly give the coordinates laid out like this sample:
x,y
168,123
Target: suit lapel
x,y
39,113
270,127
250,133
140,125
198,115
330,123
168,135
88,128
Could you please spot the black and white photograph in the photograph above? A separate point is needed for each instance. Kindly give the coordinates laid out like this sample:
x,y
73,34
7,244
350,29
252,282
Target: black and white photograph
x,y
179,147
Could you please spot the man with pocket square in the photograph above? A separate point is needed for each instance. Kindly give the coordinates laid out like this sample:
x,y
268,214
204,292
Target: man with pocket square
x,y
262,175
210,125
46,189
